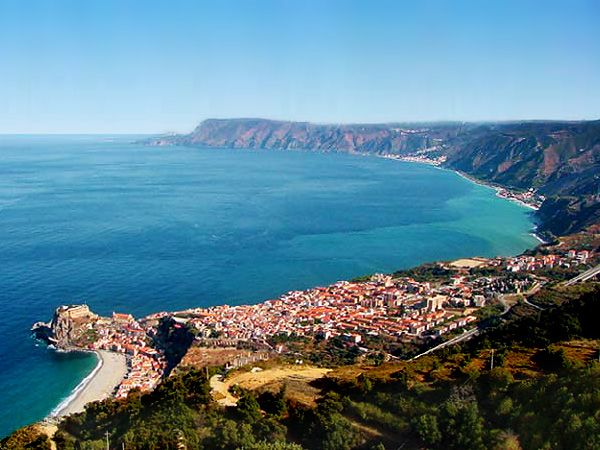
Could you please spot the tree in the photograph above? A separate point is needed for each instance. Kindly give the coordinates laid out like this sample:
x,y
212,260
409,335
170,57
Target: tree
x,y
248,409
273,403
27,438
228,434
339,434
268,429
197,388
500,378
552,359
428,430
378,446
507,440
329,430
463,426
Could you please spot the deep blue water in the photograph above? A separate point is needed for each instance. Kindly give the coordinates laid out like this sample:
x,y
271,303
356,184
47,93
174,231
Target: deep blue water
x,y
124,227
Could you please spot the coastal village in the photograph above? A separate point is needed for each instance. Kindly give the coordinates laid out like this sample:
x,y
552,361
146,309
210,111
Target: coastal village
x,y
391,308
75,327
529,198
400,309
122,333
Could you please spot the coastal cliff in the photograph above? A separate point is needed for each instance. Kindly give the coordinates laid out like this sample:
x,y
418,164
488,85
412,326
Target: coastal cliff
x,y
67,327
558,160
282,135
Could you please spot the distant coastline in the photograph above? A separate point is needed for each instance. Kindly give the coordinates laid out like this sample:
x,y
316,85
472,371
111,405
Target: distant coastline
x,y
505,154
501,192
498,189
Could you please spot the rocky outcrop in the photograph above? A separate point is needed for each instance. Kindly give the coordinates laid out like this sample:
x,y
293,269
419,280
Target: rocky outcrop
x,y
174,337
66,327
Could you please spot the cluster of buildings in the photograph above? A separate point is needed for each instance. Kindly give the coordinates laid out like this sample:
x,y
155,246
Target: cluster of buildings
x,y
122,333
424,159
528,198
394,309
569,259
423,156
397,309
431,155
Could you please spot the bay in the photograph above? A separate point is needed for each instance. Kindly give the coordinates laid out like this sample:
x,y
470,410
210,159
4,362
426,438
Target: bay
x,y
125,227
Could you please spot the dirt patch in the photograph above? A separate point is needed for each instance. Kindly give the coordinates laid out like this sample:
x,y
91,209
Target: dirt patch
x,y
295,378
48,429
201,357
467,263
220,391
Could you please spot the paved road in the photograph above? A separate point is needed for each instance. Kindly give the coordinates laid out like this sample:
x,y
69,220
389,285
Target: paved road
x,y
536,287
590,273
475,331
455,340
527,302
506,306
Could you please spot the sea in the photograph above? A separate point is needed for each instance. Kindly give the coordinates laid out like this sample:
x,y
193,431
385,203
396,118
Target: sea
x,y
124,227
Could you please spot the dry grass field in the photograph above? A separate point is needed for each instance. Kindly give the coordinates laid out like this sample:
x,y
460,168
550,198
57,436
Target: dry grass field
x,y
296,380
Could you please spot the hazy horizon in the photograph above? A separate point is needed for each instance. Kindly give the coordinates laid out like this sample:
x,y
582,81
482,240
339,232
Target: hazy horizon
x,y
421,122
73,67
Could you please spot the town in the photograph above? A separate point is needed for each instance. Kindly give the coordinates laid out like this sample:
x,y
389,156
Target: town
x,y
395,308
123,334
392,308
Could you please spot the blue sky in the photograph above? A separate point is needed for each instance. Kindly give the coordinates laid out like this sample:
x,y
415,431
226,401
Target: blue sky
x,y
146,66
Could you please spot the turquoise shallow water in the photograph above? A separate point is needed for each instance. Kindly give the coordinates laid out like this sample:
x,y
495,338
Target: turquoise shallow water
x,y
123,227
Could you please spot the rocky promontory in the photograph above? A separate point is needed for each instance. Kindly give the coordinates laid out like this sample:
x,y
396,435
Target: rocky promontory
x,y
67,327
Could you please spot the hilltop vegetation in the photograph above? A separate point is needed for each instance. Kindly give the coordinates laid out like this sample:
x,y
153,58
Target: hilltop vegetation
x,y
543,392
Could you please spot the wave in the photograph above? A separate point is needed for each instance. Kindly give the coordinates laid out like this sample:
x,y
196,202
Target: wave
x,y
8,203
78,389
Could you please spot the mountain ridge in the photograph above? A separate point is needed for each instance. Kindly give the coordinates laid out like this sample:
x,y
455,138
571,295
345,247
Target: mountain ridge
x,y
558,159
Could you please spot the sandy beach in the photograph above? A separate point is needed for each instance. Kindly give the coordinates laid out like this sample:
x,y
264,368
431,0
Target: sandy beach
x,y
100,384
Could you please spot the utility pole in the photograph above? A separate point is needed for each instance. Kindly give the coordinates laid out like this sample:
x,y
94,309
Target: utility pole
x,y
492,361
107,447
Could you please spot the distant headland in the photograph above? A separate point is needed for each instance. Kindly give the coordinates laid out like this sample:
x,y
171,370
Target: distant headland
x,y
551,165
